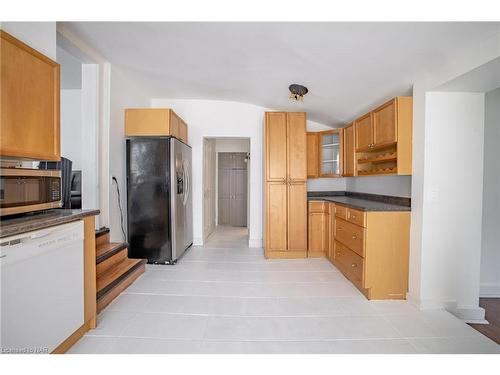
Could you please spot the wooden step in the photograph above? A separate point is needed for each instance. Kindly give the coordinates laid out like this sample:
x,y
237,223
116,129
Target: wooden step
x,y
112,261
111,277
101,236
104,299
107,250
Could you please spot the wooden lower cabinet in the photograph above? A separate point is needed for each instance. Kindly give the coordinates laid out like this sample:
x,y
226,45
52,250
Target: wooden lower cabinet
x,y
374,257
276,217
318,229
286,220
297,216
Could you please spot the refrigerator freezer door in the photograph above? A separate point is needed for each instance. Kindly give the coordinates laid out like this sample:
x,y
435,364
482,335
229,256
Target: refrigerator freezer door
x,y
148,199
177,198
188,199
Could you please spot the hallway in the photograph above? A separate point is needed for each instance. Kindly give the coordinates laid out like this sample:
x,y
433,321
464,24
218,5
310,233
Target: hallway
x,y
227,298
228,237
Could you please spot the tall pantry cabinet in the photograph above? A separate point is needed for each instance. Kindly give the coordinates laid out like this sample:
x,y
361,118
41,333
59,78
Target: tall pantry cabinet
x,y
285,211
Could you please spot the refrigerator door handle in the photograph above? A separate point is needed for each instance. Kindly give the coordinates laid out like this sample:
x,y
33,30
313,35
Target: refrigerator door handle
x,y
186,183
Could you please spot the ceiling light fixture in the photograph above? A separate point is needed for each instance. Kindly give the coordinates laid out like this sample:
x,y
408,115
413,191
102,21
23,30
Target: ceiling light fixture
x,y
297,92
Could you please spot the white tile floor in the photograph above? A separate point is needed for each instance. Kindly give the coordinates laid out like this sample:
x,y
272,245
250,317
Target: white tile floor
x,y
227,298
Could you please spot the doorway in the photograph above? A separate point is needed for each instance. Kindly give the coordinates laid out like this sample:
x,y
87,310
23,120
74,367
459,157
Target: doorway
x,y
79,124
232,191
226,197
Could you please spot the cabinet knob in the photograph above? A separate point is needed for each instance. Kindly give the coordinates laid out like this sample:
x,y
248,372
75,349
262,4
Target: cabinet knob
x,y
338,253
353,216
354,265
354,237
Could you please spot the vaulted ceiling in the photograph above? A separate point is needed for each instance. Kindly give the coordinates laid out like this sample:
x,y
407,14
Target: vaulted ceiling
x,y
348,67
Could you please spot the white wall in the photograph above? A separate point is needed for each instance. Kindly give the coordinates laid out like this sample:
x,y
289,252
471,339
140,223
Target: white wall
x,y
38,35
451,237
71,69
90,139
490,252
467,58
326,184
124,93
398,186
71,127
232,145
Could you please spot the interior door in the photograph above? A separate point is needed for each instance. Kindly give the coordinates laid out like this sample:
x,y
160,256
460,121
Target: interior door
x,y
297,216
363,129
224,188
238,216
232,189
276,146
209,176
296,146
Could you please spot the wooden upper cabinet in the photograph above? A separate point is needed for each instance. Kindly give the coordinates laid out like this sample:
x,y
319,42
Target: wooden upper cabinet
x,y
154,122
349,152
364,132
312,155
296,146
384,124
330,153
29,107
276,152
183,131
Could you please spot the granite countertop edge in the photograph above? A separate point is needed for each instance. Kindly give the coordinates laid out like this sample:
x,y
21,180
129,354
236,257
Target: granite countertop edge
x,y
18,225
360,202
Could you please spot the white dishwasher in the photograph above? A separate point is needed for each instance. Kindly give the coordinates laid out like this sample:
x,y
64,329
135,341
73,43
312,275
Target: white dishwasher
x,y
41,287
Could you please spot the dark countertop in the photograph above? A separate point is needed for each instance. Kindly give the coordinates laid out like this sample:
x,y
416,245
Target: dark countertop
x,y
35,221
362,204
362,201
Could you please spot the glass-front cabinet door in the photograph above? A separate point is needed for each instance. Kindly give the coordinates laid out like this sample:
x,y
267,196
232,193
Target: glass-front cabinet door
x,y
330,153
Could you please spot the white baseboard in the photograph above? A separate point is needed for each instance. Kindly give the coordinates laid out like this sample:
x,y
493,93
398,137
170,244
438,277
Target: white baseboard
x,y
469,314
429,304
197,241
255,242
489,290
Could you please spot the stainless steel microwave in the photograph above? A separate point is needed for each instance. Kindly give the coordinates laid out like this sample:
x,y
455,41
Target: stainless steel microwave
x,y
28,190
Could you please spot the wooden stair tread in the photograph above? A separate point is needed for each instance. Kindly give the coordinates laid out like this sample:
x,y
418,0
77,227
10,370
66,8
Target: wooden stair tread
x,y
106,250
101,232
105,298
113,274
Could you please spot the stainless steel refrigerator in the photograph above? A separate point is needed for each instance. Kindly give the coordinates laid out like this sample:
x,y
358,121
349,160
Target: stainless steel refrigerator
x,y
159,199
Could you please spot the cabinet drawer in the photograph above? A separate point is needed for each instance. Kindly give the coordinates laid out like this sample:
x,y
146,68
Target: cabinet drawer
x,y
350,235
350,263
356,217
318,206
341,211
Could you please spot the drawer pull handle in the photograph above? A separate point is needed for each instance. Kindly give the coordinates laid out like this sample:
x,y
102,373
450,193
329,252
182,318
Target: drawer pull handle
x,y
354,265
354,237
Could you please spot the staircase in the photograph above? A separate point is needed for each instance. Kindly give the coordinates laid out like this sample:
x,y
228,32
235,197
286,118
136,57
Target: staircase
x,y
114,270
